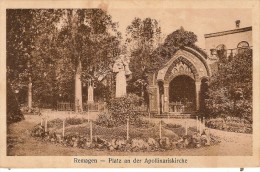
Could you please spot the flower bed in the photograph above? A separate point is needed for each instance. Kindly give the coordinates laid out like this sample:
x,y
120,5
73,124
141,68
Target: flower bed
x,y
114,138
230,124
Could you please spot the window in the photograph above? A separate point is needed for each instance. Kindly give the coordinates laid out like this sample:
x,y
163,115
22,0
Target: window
x,y
242,47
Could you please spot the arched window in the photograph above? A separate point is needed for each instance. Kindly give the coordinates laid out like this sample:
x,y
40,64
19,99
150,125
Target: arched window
x,y
242,46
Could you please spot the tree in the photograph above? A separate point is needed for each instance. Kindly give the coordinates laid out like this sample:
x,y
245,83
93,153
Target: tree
x,y
26,31
179,39
89,41
173,42
143,37
230,88
49,49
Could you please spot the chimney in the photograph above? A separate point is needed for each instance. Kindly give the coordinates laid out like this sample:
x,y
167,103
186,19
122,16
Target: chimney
x,y
237,23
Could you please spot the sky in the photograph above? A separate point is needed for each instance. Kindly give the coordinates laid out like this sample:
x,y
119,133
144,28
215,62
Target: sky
x,y
199,21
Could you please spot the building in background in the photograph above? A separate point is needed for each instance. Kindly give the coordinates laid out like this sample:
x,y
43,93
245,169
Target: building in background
x,y
230,41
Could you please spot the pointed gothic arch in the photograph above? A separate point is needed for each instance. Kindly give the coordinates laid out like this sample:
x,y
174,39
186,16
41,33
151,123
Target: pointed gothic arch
x,y
184,64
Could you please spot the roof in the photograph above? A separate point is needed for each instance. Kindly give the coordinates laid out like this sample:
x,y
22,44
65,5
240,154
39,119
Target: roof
x,y
245,29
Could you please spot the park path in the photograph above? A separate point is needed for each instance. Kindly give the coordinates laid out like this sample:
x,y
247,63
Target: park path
x,y
232,144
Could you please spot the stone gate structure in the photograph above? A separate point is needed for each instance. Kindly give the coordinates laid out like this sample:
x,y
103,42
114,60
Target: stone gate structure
x,y
188,65
180,85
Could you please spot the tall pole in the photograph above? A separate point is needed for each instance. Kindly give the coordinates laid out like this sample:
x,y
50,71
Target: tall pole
x,y
203,123
63,128
200,125
197,123
46,125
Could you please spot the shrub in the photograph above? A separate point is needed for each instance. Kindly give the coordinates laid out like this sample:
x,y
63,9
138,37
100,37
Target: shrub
x,y
14,113
123,108
55,123
31,111
233,124
141,123
170,125
105,120
75,121
230,88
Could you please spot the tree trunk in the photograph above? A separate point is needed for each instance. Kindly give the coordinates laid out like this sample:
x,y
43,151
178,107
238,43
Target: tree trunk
x,y
78,88
30,94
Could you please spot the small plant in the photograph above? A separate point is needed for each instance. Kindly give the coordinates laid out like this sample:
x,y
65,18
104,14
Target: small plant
x,y
170,125
105,120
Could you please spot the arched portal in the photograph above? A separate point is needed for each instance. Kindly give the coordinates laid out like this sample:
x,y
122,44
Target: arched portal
x,y
179,81
182,94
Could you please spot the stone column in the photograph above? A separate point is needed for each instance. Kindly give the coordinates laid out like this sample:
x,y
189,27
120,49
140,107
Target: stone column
x,y
166,97
90,93
78,88
153,98
197,85
158,99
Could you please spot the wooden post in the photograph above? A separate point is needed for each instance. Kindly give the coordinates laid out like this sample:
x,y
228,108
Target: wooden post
x,y
127,129
200,125
46,123
91,131
186,129
203,123
160,129
88,112
197,123
63,128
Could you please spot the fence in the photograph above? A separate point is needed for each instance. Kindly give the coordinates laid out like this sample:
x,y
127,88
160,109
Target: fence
x,y
65,106
181,107
124,130
87,107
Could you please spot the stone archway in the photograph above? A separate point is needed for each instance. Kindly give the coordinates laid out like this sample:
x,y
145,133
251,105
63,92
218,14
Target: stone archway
x,y
181,66
186,62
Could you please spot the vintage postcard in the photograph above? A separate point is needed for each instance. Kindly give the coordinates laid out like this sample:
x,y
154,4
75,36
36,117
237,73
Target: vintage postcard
x,y
89,84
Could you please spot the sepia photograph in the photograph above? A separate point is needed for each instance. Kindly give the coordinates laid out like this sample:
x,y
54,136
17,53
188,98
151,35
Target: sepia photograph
x,y
163,84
